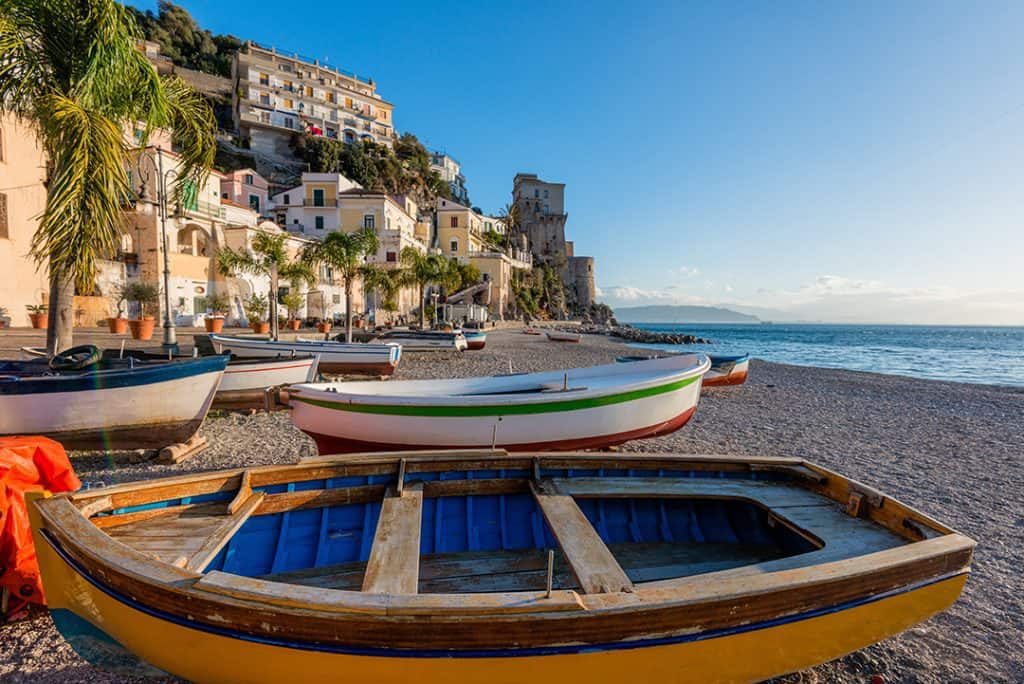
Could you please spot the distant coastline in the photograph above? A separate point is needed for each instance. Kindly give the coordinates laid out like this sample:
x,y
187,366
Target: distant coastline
x,y
682,314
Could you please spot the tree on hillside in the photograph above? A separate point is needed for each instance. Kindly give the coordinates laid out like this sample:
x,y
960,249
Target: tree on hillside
x,y
71,70
346,253
268,257
184,42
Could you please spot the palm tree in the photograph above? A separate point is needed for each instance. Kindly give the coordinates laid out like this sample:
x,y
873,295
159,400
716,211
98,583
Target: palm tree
x,y
346,253
71,71
387,283
268,256
422,270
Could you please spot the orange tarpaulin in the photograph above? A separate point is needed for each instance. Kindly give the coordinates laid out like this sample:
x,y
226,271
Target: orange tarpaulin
x,y
26,463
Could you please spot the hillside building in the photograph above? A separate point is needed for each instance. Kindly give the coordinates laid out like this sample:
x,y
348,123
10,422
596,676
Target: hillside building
x,y
450,171
276,96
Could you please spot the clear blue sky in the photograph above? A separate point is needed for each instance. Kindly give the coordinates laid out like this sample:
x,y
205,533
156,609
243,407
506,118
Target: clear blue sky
x,y
858,161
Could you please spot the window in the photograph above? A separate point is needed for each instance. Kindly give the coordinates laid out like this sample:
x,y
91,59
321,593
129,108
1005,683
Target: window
x,y
318,222
368,221
287,199
289,104
391,256
455,245
309,91
264,79
189,195
254,203
547,210
289,123
336,299
545,194
536,194
4,231
264,99
455,221
318,197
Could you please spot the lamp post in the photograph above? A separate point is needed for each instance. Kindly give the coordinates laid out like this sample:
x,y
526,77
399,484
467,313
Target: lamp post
x,y
170,343
434,296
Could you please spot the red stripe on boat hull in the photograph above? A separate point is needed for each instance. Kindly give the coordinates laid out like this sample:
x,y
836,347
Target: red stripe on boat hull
x,y
327,444
726,380
475,345
386,368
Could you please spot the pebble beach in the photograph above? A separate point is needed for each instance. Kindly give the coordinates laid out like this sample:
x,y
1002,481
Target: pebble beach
x,y
952,450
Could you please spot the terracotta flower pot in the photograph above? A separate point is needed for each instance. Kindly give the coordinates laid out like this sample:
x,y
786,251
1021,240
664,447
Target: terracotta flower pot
x,y
294,324
214,324
261,328
118,326
142,329
323,327
358,323
39,320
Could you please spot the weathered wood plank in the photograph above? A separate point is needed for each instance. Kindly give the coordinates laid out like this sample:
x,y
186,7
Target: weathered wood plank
x,y
769,494
244,492
394,564
216,541
91,508
590,559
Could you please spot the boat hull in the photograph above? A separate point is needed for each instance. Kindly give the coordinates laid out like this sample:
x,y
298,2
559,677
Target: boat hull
x,y
114,632
339,426
245,384
336,358
727,371
160,406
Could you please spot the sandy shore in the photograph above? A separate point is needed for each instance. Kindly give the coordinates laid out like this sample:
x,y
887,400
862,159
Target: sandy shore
x,y
952,450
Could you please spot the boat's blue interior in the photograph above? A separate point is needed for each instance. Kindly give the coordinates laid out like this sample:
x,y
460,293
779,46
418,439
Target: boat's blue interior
x,y
318,537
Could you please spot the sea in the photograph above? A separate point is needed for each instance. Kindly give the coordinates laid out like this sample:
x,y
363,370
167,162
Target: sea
x,y
989,355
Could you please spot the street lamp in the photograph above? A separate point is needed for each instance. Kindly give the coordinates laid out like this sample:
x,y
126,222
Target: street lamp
x,y
170,343
434,296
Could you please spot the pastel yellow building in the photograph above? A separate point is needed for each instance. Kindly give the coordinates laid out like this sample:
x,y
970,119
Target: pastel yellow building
x,y
22,200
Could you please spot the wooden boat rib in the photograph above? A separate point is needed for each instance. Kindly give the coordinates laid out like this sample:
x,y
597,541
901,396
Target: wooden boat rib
x,y
666,567
112,405
582,408
336,358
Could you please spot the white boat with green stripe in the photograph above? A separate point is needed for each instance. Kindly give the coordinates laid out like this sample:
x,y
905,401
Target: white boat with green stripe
x,y
582,408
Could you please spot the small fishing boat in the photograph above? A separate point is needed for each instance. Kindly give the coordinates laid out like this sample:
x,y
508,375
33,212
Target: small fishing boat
x,y
489,568
246,381
531,331
583,408
86,402
725,369
558,336
475,339
336,358
426,340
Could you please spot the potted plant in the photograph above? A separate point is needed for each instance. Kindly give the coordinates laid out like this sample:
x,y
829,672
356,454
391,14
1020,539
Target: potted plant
x,y
3,317
37,314
119,324
144,294
323,326
218,306
293,301
256,311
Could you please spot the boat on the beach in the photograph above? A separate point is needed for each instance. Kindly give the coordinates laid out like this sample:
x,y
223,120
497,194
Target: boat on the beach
x,y
726,369
559,336
488,568
582,408
475,339
87,402
336,358
426,340
531,331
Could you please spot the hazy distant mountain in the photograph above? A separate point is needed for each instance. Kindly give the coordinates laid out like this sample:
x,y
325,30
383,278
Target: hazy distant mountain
x,y
681,314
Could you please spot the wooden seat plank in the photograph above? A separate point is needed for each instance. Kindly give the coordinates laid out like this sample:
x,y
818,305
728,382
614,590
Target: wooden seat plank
x,y
590,559
394,563
223,533
769,494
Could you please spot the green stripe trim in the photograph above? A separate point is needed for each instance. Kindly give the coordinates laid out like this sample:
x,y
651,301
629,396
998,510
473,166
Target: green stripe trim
x,y
503,410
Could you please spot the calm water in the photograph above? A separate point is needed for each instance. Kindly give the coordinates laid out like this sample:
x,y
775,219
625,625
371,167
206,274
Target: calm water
x,y
963,354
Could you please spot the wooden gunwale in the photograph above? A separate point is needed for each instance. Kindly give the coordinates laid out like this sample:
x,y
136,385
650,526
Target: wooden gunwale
x,y
269,609
684,605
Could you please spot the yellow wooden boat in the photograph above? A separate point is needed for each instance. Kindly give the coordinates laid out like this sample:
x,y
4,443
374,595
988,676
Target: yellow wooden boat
x,y
484,567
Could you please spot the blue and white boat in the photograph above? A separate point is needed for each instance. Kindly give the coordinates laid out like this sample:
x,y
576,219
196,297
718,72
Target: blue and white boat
x,y
336,358
108,404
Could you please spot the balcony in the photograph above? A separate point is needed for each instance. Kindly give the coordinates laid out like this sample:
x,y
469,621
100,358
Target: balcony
x,y
206,210
319,204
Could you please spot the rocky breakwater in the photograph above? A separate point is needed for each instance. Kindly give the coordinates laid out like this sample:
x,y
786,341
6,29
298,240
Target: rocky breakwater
x,y
638,335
